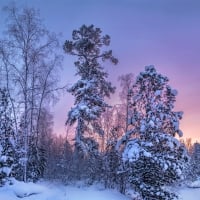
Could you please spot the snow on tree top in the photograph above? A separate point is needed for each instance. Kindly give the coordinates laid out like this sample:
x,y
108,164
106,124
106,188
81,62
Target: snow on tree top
x,y
174,92
150,68
158,93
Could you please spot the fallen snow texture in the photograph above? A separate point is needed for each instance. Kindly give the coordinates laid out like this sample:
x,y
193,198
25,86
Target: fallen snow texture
x,y
189,194
53,191
20,190
49,191
5,170
194,184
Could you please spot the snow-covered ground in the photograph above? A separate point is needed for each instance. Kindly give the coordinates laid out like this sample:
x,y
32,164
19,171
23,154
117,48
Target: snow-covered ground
x,y
189,193
56,191
53,191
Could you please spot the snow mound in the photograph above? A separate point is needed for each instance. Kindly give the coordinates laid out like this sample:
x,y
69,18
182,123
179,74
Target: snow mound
x,y
194,184
57,191
20,190
186,193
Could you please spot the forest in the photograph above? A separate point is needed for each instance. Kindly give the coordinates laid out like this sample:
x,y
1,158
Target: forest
x,y
133,145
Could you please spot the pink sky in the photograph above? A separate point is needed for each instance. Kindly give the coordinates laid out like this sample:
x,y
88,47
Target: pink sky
x,y
163,33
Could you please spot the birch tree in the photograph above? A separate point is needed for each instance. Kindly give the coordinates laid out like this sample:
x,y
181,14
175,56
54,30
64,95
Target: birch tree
x,y
30,54
126,82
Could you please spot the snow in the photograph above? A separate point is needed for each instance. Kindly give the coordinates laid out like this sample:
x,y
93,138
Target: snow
x,y
189,194
176,125
1,148
20,190
151,124
56,191
131,152
174,92
147,154
142,128
6,170
158,93
180,133
79,191
150,68
194,184
3,158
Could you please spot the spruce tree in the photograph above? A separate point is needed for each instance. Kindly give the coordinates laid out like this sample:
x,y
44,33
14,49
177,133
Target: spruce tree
x,y
7,142
153,155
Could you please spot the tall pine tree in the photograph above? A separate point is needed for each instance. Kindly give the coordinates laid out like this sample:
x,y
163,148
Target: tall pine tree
x,y
92,87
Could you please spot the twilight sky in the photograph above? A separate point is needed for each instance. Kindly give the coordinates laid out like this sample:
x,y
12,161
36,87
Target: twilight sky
x,y
163,33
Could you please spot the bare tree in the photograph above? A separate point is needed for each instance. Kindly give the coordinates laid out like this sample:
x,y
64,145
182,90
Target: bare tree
x,y
126,83
5,78
31,59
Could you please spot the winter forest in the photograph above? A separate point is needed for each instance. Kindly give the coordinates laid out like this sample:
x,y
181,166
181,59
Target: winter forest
x,y
134,147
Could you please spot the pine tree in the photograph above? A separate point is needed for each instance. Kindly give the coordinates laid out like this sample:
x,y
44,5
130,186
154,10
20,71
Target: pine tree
x,y
7,142
153,155
92,88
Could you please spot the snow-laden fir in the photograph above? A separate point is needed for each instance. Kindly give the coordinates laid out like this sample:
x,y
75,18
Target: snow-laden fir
x,y
154,157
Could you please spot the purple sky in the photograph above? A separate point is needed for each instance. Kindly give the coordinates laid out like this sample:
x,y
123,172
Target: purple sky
x,y
163,33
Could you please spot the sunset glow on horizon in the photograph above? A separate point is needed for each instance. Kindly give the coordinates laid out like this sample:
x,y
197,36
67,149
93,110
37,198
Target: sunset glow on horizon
x,y
160,33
